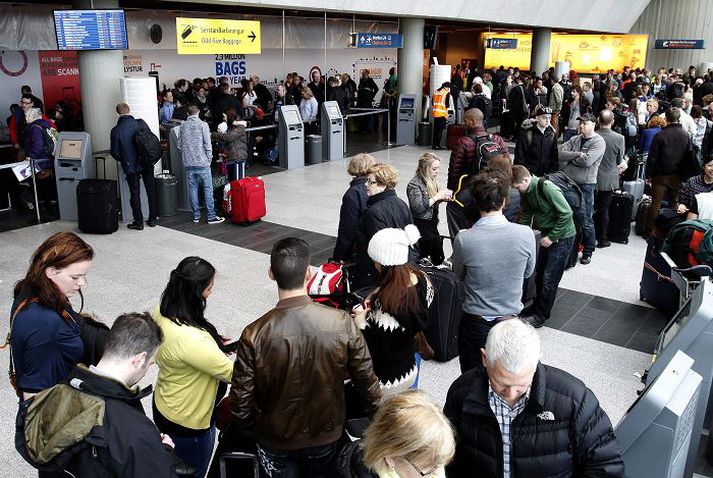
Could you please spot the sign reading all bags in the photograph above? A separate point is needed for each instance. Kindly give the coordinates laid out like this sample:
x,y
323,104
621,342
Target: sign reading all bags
x,y
200,36
501,43
379,40
679,45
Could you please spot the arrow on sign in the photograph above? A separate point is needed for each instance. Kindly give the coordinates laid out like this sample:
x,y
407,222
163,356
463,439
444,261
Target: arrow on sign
x,y
252,35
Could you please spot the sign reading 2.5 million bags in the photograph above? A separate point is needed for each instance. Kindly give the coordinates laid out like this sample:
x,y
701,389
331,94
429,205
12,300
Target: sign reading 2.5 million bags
x,y
200,36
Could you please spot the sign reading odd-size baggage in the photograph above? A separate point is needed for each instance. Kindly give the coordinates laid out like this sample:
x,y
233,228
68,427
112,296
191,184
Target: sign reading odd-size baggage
x,y
200,36
679,45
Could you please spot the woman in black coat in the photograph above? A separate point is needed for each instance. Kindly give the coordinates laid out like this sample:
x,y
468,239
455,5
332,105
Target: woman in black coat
x,y
353,206
384,209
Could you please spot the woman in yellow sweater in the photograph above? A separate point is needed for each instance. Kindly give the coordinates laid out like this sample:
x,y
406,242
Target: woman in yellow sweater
x,y
194,369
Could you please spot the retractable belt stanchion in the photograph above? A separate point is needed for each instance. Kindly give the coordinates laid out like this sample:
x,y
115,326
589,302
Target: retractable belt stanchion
x,y
34,186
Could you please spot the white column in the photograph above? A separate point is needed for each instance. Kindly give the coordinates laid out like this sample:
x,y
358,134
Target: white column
x,y
540,57
410,60
99,74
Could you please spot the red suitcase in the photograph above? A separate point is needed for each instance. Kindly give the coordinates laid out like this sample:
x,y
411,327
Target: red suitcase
x,y
248,200
454,132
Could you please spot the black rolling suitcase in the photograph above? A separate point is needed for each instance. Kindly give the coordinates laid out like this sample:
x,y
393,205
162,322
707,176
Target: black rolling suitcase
x,y
656,286
529,286
445,313
620,210
97,206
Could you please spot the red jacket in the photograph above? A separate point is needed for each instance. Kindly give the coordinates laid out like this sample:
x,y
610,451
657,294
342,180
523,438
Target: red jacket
x,y
464,153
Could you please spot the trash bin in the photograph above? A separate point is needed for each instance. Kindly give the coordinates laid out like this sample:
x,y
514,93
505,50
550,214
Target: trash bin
x,y
313,149
424,133
167,194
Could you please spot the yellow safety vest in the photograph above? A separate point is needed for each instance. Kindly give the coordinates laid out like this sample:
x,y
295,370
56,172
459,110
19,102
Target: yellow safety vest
x,y
439,105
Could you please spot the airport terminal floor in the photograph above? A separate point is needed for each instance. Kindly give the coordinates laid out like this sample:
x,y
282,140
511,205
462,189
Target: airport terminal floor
x,y
599,331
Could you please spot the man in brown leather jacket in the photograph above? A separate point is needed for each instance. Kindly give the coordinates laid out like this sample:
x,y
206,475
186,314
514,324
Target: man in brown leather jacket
x,y
288,380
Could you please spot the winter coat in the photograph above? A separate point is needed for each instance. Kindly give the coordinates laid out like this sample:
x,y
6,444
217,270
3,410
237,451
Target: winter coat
x,y
418,200
341,96
562,432
582,169
366,92
34,139
646,138
584,107
608,173
350,463
535,150
383,210
123,146
464,155
237,138
353,206
669,152
124,441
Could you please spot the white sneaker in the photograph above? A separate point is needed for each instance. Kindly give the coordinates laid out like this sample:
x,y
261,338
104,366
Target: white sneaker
x,y
216,220
197,220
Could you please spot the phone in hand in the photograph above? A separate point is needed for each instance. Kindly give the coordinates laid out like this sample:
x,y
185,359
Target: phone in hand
x,y
230,347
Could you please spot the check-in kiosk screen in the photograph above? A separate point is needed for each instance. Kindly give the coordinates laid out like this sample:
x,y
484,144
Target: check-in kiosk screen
x,y
291,117
676,324
333,111
71,149
407,103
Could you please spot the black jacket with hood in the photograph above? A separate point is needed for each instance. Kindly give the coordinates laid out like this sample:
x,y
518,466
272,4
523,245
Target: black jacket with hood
x,y
535,150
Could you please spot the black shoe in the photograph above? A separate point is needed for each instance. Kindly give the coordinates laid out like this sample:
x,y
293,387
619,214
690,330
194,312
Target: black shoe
x,y
137,226
151,222
586,258
603,244
532,320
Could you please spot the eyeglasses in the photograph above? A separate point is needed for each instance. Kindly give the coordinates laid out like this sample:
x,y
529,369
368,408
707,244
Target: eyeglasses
x,y
421,472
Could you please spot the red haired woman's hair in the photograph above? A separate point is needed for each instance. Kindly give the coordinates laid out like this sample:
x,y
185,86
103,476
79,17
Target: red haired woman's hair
x,y
59,251
397,294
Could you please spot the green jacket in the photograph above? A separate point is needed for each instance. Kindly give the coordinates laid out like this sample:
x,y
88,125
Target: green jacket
x,y
551,213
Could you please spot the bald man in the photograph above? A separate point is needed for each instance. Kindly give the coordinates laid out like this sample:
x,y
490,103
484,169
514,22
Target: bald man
x,y
612,165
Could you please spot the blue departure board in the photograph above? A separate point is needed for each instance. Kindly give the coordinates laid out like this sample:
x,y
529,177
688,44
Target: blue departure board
x,y
90,30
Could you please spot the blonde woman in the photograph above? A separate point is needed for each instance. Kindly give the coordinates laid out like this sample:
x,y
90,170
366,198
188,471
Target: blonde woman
x,y
424,198
408,437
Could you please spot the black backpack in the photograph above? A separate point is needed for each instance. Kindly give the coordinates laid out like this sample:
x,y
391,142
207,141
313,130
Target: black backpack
x,y
484,104
485,150
570,190
148,145
48,142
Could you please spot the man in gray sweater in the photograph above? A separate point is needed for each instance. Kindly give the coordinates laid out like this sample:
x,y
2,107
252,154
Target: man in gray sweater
x,y
493,258
612,165
579,159
197,153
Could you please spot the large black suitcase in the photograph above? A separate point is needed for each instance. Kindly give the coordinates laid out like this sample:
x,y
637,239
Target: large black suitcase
x,y
97,206
445,313
620,211
656,286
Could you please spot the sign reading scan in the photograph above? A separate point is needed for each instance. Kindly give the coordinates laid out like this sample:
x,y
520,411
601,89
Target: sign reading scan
x,y
200,36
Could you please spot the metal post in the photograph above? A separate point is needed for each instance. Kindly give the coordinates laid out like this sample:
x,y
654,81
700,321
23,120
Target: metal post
x,y
388,128
34,186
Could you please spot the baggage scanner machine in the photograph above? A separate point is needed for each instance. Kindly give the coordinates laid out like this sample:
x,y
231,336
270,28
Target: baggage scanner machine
x,y
73,162
291,143
690,331
657,431
332,132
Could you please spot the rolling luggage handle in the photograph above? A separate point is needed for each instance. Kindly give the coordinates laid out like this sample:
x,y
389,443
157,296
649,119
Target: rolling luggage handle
x,y
103,154
236,455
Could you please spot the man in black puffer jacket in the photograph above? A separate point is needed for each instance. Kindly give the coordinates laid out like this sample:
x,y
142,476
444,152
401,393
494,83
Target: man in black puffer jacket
x,y
524,419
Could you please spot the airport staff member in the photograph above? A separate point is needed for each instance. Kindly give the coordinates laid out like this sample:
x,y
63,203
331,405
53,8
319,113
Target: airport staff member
x,y
521,418
440,113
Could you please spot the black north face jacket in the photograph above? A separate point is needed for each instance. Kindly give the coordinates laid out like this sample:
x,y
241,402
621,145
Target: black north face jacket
x,y
563,432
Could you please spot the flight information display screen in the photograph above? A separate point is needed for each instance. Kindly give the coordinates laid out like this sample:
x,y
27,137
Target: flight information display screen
x,y
90,30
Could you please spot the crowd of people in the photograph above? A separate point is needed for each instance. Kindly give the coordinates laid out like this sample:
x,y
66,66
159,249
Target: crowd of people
x,y
279,390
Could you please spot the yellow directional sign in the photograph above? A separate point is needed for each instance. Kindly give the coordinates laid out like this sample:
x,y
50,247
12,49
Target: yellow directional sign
x,y
200,36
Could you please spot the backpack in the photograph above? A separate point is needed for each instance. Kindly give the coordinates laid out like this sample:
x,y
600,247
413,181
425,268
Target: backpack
x,y
484,104
329,285
690,243
49,137
485,150
570,190
148,145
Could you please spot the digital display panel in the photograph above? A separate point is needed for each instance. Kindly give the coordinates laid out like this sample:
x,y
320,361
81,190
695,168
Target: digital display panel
x,y
90,30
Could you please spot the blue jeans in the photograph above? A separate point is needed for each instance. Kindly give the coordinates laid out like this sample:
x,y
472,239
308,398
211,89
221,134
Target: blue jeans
x,y
550,267
585,218
313,462
196,451
196,175
568,134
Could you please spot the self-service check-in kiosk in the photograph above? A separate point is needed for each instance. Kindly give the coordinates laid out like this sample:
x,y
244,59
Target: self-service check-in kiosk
x,y
690,331
406,124
332,132
656,432
73,162
291,138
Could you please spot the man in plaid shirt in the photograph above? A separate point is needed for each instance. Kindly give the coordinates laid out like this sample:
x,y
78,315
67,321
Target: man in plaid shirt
x,y
520,418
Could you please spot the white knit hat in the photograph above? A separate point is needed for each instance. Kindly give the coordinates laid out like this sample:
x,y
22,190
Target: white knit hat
x,y
389,247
